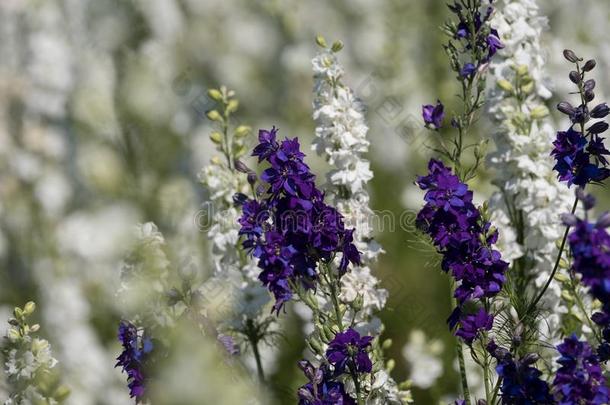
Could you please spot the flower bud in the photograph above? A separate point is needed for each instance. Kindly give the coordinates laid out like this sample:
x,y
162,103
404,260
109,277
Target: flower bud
x,y
386,344
252,178
241,166
575,77
598,127
321,41
600,111
215,95
232,106
242,130
589,95
337,46
29,308
505,85
589,85
566,108
216,137
569,219
214,115
570,56
589,65
539,112
35,327
390,365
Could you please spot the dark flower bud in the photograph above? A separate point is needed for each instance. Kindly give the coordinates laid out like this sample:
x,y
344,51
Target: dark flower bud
x,y
606,334
239,198
589,85
570,56
575,77
589,96
598,127
252,178
600,111
241,166
566,108
581,115
589,65
481,402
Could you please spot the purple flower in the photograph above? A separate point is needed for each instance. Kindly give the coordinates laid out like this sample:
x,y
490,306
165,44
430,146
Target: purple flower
x,y
521,382
434,115
463,239
472,325
579,379
289,228
348,352
590,247
468,70
574,156
136,348
321,389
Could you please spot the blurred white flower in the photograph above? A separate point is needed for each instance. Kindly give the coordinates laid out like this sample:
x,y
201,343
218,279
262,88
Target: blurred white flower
x,y
424,359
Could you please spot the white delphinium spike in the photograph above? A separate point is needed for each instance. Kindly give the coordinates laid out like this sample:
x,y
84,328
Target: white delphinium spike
x,y
29,363
341,138
528,206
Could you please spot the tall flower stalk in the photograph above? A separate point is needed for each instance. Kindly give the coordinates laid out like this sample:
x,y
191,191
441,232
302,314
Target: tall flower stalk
x,y
224,178
460,231
526,206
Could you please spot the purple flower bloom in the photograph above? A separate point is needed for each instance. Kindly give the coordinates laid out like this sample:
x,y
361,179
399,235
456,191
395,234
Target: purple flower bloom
x,y
573,154
463,239
468,70
434,115
290,229
348,352
579,379
521,382
136,348
472,325
321,389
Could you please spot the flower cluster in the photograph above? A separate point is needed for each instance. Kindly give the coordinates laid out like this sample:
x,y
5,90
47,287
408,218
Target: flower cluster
x,y
289,228
579,378
322,388
137,347
341,138
474,33
521,382
29,363
348,351
590,247
580,153
465,239
529,195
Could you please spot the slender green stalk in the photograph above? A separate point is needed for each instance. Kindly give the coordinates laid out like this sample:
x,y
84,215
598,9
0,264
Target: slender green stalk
x,y
463,376
548,282
257,357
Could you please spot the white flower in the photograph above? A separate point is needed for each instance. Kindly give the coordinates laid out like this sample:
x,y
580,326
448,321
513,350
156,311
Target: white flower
x,y
424,359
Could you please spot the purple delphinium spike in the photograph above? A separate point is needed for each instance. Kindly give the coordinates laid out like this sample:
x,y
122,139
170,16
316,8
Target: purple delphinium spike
x,y
465,241
288,227
590,247
348,351
579,379
136,348
579,152
433,115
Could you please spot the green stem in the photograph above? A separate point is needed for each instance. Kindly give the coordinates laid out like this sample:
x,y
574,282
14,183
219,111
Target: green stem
x,y
257,357
548,282
464,378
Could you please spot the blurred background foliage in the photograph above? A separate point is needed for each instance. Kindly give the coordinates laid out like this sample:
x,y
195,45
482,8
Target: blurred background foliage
x,y
102,126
